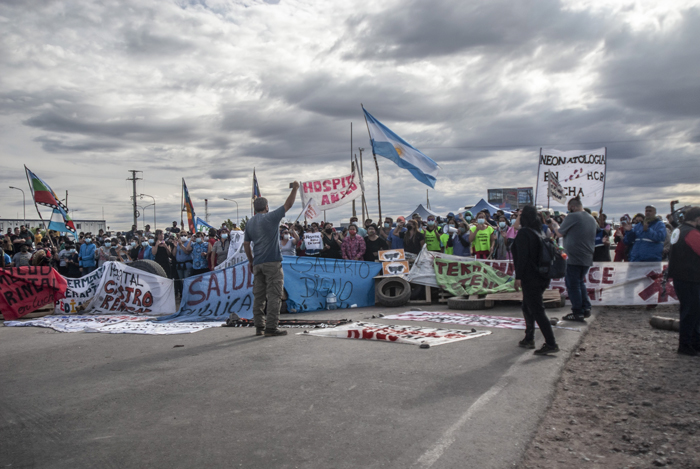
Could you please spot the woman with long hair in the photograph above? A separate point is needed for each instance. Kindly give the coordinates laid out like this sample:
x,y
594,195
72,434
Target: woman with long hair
x,y
526,256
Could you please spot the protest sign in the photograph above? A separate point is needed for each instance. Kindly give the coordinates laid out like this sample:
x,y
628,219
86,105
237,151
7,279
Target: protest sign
x,y
395,268
608,283
236,254
313,241
79,291
213,296
471,278
392,255
399,334
333,192
119,324
308,280
501,322
555,190
26,289
580,173
310,210
123,289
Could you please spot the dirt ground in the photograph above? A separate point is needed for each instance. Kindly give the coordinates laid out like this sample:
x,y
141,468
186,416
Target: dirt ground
x,y
625,400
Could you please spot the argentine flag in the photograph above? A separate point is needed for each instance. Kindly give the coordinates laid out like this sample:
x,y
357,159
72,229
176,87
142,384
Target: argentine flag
x,y
389,145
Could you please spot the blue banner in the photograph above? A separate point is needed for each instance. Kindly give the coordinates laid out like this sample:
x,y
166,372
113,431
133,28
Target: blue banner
x,y
213,296
308,280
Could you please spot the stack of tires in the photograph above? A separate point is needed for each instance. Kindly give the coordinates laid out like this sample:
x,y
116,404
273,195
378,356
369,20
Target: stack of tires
x,y
392,291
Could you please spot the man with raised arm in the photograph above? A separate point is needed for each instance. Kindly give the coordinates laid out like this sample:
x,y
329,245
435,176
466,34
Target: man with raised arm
x,y
266,261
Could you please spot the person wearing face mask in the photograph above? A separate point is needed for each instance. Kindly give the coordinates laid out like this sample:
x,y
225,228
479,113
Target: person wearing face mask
x,y
460,241
394,238
87,256
432,237
647,238
220,248
332,245
413,240
23,257
162,253
373,244
200,251
361,231
312,252
501,250
621,248
288,241
386,228
468,217
482,237
134,247
72,262
183,261
63,255
684,269
103,253
145,250
353,245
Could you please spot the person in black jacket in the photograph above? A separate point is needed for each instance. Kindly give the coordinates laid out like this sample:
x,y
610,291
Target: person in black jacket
x,y
684,269
526,256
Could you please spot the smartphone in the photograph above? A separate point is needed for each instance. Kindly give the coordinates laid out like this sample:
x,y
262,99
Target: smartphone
x,y
291,185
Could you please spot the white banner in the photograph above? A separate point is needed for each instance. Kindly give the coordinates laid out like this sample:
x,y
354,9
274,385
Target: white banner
x,y
334,192
580,173
123,289
119,324
236,254
608,283
556,191
79,291
310,210
313,241
400,334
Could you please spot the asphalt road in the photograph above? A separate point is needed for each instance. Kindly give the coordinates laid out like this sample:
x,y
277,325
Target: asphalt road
x,y
230,399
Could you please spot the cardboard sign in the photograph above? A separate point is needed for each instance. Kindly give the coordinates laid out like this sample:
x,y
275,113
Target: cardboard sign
x,y
26,289
395,268
313,241
392,255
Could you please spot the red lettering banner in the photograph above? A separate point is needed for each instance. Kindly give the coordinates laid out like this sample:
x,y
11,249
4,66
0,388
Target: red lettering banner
x,y
26,289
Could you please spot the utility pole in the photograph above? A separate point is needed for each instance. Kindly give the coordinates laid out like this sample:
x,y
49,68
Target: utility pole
x,y
133,197
206,210
352,169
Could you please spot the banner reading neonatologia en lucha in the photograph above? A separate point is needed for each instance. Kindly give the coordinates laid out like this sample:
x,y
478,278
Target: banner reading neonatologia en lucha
x,y
580,172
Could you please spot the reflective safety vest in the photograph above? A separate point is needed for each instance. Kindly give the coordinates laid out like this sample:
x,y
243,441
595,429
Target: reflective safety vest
x,y
432,240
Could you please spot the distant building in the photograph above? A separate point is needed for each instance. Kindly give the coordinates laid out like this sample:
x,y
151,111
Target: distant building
x,y
92,226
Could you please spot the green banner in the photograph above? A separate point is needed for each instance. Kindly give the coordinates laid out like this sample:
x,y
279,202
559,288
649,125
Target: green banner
x,y
471,278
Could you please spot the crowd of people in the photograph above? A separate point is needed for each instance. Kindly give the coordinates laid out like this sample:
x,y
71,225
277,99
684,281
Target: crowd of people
x,y
584,234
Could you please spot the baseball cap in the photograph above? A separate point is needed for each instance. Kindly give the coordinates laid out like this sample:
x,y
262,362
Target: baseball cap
x,y
401,218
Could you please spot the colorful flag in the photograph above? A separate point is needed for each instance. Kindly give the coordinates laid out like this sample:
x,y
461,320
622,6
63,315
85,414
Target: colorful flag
x,y
42,193
61,222
202,225
256,189
189,208
389,145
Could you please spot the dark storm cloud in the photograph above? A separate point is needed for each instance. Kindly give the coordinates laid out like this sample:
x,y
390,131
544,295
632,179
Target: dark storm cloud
x,y
60,145
417,29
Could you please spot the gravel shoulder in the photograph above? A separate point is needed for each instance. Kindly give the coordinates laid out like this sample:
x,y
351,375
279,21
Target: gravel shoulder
x,y
625,399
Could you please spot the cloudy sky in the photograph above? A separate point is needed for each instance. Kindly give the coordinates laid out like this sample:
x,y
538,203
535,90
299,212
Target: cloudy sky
x,y
209,89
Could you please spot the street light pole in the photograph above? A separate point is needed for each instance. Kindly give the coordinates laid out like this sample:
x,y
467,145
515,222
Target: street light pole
x,y
231,200
143,214
24,204
155,225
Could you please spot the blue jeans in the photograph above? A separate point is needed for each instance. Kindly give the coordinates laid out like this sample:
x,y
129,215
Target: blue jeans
x,y
89,269
181,275
576,288
689,298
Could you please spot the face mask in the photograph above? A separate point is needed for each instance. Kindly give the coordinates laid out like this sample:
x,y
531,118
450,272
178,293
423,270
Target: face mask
x,y
469,218
328,230
88,240
206,238
502,224
198,240
71,250
462,229
387,225
224,235
480,220
184,238
133,243
108,244
286,237
144,243
431,222
151,241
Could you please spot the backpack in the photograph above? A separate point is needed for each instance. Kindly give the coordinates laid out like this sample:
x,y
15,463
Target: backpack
x,y
552,263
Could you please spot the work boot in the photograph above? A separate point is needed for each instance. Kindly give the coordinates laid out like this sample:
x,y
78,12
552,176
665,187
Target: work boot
x,y
274,332
547,349
259,330
527,343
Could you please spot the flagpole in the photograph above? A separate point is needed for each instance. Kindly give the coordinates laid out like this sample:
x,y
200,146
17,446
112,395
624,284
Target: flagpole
x,y
376,164
182,202
38,212
605,178
537,186
252,194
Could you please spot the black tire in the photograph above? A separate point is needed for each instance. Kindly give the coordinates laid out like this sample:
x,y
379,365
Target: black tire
x,y
466,304
152,267
393,291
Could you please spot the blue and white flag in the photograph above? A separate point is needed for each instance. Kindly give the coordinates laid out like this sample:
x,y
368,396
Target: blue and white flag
x,y
199,223
389,145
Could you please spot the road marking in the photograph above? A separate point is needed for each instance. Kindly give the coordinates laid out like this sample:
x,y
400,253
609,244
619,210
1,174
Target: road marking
x,y
431,456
